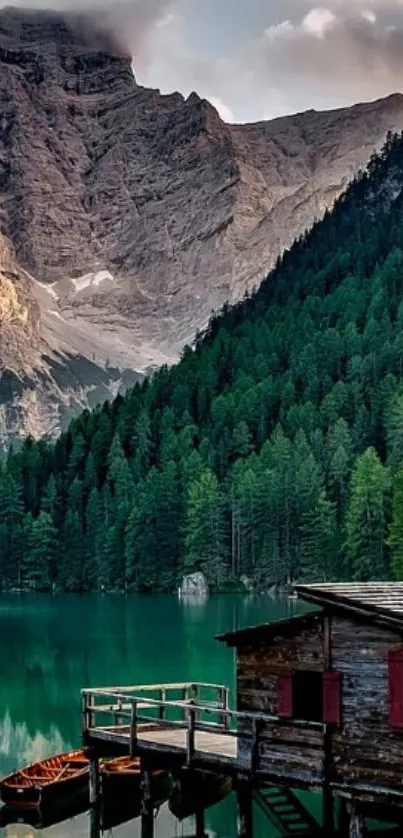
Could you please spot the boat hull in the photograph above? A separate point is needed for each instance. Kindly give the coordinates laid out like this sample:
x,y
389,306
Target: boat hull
x,y
121,781
43,783
195,791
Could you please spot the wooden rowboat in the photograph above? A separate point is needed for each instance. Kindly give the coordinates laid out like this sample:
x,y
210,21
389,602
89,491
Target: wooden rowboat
x,y
57,777
194,791
121,777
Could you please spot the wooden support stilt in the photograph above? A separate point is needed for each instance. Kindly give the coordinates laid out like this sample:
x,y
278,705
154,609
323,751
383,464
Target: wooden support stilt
x,y
94,794
200,833
356,822
343,819
245,810
147,816
328,812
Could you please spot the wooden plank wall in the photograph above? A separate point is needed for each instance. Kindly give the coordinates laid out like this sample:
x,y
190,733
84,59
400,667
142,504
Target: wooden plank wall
x,y
288,752
365,748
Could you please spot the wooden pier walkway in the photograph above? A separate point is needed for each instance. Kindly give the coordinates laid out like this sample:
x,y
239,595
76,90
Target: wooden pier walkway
x,y
189,722
208,746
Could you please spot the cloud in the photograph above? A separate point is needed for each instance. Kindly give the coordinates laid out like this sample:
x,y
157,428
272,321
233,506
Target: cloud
x,y
318,22
333,57
369,16
225,112
308,55
257,59
131,21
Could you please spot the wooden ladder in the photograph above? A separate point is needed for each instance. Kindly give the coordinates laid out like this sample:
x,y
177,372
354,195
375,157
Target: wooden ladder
x,y
286,812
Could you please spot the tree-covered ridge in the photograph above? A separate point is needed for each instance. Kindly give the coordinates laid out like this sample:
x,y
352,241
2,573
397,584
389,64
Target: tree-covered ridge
x,y
274,450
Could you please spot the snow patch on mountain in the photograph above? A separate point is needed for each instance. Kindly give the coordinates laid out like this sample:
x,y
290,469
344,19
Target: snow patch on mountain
x,y
93,279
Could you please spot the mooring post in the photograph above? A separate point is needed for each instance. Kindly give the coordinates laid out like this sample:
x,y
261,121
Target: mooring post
x,y
94,794
147,816
356,821
200,833
245,809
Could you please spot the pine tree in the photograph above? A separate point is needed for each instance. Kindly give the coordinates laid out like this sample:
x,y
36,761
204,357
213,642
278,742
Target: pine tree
x,y
73,545
368,518
40,552
12,543
205,538
95,572
319,541
396,527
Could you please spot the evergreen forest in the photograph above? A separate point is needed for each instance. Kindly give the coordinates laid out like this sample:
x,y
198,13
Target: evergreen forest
x,y
272,452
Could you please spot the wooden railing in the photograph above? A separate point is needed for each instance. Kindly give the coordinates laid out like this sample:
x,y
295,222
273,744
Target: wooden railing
x,y
139,709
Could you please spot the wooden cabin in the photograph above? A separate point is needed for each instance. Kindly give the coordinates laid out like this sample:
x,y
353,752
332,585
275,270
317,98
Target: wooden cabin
x,y
329,687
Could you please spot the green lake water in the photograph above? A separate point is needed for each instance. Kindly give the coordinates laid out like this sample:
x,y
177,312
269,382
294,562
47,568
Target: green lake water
x,y
51,647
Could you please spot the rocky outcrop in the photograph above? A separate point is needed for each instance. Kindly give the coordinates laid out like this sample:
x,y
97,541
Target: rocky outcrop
x,y
133,215
194,586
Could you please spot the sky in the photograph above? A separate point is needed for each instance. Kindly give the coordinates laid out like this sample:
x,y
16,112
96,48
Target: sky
x,y
258,59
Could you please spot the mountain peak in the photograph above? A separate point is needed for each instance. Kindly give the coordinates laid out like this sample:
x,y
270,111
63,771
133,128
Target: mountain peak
x,y
132,214
50,30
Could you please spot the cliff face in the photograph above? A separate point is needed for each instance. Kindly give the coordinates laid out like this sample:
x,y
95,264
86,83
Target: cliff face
x,y
131,214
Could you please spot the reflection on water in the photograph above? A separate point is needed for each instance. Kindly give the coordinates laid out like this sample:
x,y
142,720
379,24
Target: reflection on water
x,y
165,827
19,747
57,645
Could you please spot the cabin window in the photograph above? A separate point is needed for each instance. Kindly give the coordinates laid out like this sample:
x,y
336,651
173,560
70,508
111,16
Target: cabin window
x,y
396,688
308,696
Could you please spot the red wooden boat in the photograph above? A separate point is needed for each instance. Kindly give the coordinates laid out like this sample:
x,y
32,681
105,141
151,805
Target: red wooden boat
x,y
122,777
55,778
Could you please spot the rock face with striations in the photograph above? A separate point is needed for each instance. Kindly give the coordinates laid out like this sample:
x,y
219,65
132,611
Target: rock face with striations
x,y
131,215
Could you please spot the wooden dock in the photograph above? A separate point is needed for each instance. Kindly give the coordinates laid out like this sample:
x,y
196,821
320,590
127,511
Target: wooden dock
x,y
189,726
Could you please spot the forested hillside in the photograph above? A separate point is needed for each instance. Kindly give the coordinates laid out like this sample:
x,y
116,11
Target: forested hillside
x,y
272,451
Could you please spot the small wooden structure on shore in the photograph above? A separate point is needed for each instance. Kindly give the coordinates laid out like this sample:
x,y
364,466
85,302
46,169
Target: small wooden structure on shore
x,y
319,705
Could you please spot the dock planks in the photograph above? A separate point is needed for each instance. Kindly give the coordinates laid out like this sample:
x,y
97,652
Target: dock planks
x,y
213,746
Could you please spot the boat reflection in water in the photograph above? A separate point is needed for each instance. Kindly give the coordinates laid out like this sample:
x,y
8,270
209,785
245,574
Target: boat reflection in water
x,y
195,791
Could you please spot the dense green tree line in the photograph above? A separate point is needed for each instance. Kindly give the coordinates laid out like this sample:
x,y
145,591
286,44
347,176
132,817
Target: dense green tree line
x,y
273,450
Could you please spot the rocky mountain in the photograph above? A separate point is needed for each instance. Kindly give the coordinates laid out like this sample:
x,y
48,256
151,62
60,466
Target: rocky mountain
x,y
131,215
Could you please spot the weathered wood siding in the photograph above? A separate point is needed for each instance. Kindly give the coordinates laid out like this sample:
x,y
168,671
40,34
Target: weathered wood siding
x,y
285,751
366,749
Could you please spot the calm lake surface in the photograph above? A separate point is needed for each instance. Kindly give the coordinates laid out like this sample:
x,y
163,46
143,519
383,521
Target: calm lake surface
x,y
51,647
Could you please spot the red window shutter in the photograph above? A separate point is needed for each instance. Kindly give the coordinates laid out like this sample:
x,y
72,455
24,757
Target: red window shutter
x,y
284,695
332,698
396,687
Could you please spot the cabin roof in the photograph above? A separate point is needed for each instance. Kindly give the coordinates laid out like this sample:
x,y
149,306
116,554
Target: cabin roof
x,y
380,602
266,631
373,602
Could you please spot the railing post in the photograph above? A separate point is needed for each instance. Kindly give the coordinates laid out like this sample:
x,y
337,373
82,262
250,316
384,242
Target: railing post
x,y
226,708
118,718
84,718
255,745
223,700
89,715
185,699
133,729
162,707
190,748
